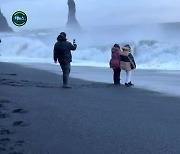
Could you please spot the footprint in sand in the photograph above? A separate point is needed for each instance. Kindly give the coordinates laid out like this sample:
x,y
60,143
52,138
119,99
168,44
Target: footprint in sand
x,y
20,123
3,115
2,149
19,111
25,81
18,143
5,131
4,141
12,74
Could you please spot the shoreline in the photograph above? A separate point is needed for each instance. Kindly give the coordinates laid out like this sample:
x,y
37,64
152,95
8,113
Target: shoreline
x,y
165,82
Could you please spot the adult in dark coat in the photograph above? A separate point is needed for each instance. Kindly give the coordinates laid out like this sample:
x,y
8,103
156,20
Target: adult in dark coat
x,y
62,54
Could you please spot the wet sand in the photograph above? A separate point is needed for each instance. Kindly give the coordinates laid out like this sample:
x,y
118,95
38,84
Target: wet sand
x,y
38,116
167,82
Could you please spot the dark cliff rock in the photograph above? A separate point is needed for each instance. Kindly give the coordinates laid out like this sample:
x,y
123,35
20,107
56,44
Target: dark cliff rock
x,y
72,21
4,27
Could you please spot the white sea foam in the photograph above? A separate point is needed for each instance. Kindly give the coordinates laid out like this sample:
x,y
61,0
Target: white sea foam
x,y
149,54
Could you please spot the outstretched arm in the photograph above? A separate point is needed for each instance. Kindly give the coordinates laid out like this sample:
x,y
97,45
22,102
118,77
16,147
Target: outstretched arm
x,y
72,46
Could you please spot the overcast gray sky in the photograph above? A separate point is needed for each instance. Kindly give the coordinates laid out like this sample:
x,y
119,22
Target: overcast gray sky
x,y
53,13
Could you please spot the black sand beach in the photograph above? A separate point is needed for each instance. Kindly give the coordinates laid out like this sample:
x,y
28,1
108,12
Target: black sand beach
x,y
37,116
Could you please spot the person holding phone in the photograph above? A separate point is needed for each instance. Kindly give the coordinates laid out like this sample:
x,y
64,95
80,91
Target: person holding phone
x,y
62,54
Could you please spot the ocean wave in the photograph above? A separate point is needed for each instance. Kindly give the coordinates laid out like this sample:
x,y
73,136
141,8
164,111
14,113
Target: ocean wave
x,y
149,54
16,46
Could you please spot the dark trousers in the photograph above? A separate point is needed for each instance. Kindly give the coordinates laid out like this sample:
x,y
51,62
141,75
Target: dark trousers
x,y
66,67
116,75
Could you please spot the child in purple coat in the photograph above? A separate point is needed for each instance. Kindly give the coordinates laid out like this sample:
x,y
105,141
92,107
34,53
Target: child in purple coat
x,y
115,63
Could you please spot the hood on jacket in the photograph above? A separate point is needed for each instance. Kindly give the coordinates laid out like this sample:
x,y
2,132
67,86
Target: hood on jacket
x,y
61,38
114,49
126,47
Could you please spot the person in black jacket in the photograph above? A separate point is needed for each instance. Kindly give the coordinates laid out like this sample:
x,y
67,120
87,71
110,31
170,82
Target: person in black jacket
x,y
62,53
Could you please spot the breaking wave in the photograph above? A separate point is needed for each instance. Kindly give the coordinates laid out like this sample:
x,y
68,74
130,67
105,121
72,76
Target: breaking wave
x,y
149,54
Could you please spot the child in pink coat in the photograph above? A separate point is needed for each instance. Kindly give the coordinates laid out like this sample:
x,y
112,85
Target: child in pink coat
x,y
115,63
